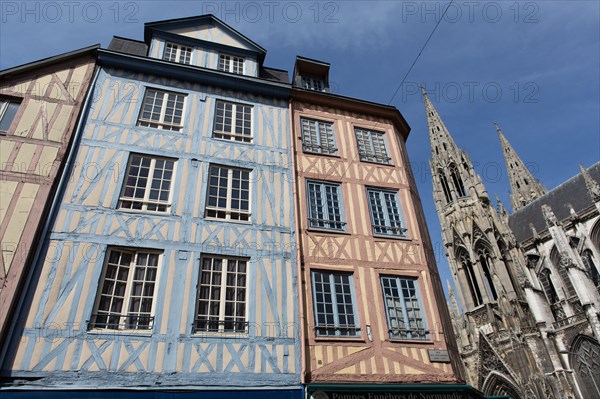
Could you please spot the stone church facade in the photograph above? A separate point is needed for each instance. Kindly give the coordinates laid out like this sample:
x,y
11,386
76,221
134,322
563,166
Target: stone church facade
x,y
527,281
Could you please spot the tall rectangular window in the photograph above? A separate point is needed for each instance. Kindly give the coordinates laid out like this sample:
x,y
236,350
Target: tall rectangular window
x,y
334,304
228,194
386,213
126,290
230,63
8,110
317,137
403,308
325,205
177,53
162,110
371,146
233,121
147,184
221,305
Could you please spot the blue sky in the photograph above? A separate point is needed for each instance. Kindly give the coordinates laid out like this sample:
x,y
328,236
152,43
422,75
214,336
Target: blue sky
x,y
532,66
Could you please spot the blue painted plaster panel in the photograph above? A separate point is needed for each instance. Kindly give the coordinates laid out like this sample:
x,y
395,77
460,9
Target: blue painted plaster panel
x,y
56,339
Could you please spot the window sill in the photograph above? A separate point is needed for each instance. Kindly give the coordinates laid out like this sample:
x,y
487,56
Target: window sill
x,y
378,163
214,219
137,333
231,140
332,231
321,154
391,237
143,212
155,129
220,335
340,339
411,341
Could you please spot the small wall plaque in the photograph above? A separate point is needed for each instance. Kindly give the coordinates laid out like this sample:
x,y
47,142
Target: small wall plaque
x,y
438,356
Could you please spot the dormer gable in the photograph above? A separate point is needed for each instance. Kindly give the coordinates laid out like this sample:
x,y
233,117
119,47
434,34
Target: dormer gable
x,y
204,41
311,74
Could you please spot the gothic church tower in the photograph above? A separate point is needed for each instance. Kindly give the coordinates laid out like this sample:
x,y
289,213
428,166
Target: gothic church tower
x,y
487,270
524,187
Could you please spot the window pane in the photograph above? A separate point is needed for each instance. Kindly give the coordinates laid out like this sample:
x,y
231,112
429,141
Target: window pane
x,y
401,301
8,110
371,146
233,122
162,110
117,289
324,205
147,184
334,304
221,295
317,137
228,193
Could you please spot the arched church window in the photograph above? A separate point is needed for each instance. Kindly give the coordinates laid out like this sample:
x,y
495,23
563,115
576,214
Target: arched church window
x,y
463,258
445,186
458,183
485,260
588,259
445,147
548,286
559,264
595,235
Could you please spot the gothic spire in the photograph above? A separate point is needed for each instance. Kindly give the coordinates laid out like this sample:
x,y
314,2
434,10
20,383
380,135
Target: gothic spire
x,y
524,187
454,312
439,136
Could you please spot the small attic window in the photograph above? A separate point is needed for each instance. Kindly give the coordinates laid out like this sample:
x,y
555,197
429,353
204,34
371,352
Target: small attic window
x,y
312,83
230,63
176,53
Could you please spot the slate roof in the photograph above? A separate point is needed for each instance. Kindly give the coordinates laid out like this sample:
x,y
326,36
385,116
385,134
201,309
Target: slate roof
x,y
128,46
278,75
573,192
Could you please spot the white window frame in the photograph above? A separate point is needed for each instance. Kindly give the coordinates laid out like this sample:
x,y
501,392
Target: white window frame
x,y
328,221
393,219
5,104
324,136
336,329
148,188
125,319
400,302
206,323
228,213
229,64
372,146
160,123
232,133
182,53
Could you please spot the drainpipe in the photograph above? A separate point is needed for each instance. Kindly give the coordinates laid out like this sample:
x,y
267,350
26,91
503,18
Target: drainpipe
x,y
298,231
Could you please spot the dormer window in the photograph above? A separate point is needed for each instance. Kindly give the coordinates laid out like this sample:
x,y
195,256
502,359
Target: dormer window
x,y
177,53
232,64
311,83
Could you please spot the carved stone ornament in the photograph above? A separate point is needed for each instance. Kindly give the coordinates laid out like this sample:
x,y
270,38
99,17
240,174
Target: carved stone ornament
x,y
592,186
549,216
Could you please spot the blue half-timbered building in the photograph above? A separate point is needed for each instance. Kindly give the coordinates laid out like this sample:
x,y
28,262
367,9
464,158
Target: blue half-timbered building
x,y
169,263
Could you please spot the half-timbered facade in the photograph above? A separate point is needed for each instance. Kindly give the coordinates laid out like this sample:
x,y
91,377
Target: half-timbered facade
x,y
40,104
171,262
373,306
